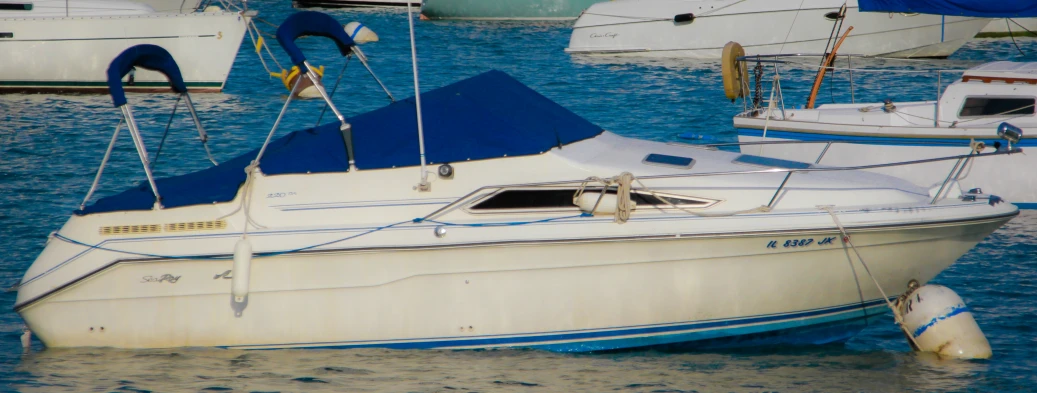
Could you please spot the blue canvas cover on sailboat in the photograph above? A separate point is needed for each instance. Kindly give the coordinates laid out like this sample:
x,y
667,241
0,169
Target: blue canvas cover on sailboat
x,y
487,116
975,8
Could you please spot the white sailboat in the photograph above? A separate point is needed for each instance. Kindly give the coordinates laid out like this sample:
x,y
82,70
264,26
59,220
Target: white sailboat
x,y
54,45
701,28
355,3
535,229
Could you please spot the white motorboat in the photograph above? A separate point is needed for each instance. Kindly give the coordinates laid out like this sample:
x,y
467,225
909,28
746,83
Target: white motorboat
x,y
701,28
355,3
536,229
54,45
968,112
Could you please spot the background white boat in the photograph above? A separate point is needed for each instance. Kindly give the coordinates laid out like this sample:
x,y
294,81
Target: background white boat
x,y
180,6
505,9
46,51
700,28
355,3
970,109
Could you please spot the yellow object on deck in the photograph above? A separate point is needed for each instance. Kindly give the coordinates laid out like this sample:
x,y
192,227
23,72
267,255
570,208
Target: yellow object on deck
x,y
288,76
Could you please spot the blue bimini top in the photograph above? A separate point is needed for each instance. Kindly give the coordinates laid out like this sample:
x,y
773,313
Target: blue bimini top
x,y
487,116
975,8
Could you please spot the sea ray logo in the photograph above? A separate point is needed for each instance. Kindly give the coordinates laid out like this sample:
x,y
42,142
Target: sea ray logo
x,y
160,279
225,275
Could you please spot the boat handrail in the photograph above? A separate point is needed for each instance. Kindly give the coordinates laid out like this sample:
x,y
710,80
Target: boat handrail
x,y
962,158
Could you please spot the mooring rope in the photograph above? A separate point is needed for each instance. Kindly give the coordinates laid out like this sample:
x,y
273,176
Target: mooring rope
x,y
846,240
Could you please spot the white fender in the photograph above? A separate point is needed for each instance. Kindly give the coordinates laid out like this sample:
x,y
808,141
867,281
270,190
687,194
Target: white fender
x,y
940,322
309,92
588,199
242,270
360,33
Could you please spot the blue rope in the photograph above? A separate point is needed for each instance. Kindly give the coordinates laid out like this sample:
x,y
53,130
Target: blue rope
x,y
276,253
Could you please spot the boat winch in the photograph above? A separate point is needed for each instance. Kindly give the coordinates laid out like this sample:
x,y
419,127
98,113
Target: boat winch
x,y
937,320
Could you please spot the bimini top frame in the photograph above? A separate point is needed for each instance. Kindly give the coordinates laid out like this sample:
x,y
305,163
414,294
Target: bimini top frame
x,y
311,23
153,58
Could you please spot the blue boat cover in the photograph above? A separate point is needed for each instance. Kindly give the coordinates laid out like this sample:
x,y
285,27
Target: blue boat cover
x,y
147,56
487,116
975,8
311,23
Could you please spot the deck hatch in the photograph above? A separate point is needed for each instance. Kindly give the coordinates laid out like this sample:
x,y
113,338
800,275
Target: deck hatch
x,y
770,162
668,160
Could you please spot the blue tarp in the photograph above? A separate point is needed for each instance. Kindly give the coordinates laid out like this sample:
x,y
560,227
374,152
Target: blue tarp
x,y
488,116
976,8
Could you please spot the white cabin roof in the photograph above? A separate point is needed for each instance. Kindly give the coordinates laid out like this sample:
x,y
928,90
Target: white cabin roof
x,y
1006,71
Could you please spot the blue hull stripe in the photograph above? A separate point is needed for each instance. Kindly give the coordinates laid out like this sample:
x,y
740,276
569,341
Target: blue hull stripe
x,y
634,336
876,140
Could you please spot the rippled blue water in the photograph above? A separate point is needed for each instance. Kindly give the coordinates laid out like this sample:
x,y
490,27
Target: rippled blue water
x,y
50,146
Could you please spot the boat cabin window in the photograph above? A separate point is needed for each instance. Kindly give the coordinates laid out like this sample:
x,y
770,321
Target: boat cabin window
x,y
561,199
996,106
15,6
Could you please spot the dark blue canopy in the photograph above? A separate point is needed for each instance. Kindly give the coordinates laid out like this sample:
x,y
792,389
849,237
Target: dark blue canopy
x,y
311,23
488,116
147,56
976,8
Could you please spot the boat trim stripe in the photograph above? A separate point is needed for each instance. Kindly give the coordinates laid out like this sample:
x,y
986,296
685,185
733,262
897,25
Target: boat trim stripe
x,y
552,340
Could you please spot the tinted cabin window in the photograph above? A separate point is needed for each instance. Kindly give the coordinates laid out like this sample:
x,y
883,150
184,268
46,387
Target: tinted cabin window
x,y
647,199
992,106
528,199
563,199
16,6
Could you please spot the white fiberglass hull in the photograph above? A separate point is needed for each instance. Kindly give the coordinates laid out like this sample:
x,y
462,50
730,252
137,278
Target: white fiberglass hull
x,y
408,289
647,28
72,54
